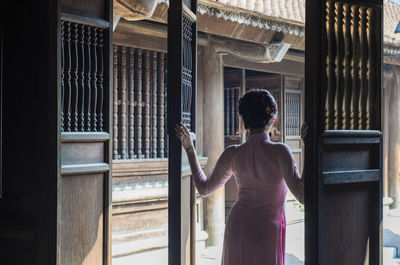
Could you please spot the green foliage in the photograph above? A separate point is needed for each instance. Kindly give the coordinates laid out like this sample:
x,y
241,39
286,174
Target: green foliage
x,y
298,206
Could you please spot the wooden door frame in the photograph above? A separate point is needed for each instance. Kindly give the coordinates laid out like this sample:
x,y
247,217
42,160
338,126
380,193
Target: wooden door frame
x,y
176,11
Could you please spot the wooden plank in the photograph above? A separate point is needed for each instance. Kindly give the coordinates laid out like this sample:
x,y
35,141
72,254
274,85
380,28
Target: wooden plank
x,y
93,22
353,176
94,9
350,140
82,223
82,153
85,137
137,40
80,169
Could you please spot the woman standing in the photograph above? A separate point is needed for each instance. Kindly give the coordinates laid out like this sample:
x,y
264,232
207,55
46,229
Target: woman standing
x,y
256,226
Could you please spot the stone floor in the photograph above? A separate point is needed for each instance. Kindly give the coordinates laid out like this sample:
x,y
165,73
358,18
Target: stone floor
x,y
294,245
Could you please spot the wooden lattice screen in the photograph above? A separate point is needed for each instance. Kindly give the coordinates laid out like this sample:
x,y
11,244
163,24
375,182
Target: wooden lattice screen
x,y
231,119
139,104
352,76
82,69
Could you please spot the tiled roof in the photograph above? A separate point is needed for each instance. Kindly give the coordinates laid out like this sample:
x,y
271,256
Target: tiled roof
x,y
391,18
294,11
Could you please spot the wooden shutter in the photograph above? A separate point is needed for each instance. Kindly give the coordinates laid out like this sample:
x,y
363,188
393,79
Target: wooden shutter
x,y
84,204
343,190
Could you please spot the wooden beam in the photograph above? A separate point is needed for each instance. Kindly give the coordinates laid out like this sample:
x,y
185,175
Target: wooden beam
x,y
133,39
147,35
285,67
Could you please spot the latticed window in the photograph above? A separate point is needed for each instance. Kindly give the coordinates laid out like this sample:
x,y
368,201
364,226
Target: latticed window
x,y
231,117
139,117
293,114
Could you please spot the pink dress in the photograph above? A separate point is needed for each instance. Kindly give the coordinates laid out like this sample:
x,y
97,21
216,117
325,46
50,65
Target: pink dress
x,y
256,226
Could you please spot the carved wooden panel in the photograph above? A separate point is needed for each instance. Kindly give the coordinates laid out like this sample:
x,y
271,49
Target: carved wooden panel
x,y
350,89
85,230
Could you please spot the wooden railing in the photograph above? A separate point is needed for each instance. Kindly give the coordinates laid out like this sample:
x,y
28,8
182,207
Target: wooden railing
x,y
82,67
139,104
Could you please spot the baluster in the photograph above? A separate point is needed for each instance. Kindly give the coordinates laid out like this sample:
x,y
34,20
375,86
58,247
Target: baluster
x,y
100,80
88,79
139,103
355,67
123,103
236,122
154,91
330,64
115,103
232,117
131,103
338,99
68,75
94,80
347,68
62,76
166,145
74,73
82,58
161,105
147,105
226,108
373,94
362,104
368,70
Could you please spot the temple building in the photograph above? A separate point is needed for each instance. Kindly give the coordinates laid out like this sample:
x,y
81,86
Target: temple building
x,y
242,45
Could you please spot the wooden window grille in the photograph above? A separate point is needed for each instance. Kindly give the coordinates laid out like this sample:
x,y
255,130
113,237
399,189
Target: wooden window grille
x,y
293,113
351,75
82,81
231,115
139,107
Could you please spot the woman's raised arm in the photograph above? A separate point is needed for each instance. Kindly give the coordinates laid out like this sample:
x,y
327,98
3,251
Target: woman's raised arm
x,y
221,172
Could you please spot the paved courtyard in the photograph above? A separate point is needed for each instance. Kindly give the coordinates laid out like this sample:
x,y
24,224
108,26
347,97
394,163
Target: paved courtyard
x,y
294,244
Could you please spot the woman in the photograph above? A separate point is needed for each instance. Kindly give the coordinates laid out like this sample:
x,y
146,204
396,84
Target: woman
x,y
255,229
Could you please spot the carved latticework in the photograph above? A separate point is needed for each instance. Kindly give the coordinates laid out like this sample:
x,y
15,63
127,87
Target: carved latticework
x,y
187,69
350,90
139,103
82,77
231,97
292,117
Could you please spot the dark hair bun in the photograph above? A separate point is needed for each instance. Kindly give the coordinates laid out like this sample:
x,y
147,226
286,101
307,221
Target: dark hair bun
x,y
257,108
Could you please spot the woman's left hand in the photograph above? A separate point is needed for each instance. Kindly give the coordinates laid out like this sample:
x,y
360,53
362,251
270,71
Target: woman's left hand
x,y
184,136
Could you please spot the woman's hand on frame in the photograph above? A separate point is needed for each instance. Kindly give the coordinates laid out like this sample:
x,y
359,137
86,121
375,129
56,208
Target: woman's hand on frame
x,y
184,136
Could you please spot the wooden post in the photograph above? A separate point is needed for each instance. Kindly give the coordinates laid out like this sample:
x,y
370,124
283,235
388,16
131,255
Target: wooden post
x,y
394,138
213,130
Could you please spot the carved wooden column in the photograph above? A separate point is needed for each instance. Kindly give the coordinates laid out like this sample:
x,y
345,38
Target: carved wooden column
x,y
213,135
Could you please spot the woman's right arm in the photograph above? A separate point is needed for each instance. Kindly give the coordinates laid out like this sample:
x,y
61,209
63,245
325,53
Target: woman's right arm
x,y
290,173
